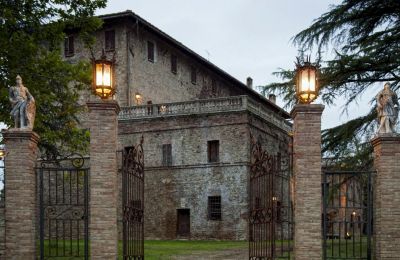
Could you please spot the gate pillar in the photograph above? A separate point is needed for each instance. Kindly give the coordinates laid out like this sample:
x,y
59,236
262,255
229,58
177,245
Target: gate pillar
x,y
307,186
103,199
20,193
387,196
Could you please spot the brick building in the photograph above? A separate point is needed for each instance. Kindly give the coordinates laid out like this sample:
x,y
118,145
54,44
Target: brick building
x,y
196,121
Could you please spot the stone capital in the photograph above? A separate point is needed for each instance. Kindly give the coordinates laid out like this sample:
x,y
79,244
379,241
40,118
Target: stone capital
x,y
20,134
306,109
104,105
393,139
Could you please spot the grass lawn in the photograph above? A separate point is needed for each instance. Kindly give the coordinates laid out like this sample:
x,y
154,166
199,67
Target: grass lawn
x,y
154,249
165,249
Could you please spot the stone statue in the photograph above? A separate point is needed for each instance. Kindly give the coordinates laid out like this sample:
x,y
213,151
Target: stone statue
x,y
388,110
23,105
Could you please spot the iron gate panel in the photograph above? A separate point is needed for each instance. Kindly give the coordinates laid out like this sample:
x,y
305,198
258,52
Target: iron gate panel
x,y
63,210
133,202
347,214
270,204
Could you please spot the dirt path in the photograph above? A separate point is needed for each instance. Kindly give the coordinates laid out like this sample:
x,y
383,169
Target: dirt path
x,y
228,254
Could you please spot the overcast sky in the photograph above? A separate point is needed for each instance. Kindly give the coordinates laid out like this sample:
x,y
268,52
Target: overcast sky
x,y
243,37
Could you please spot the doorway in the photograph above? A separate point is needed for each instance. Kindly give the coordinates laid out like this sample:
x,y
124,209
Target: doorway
x,y
183,223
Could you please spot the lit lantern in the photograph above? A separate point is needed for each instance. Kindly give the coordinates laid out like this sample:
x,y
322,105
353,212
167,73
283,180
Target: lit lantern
x,y
306,81
103,78
2,153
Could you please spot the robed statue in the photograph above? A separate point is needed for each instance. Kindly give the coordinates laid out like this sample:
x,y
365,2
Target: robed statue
x,y
388,110
23,105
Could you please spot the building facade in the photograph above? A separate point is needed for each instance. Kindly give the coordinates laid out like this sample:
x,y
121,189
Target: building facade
x,y
196,121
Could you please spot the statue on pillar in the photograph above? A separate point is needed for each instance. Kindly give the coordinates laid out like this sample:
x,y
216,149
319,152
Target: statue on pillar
x,y
388,110
23,105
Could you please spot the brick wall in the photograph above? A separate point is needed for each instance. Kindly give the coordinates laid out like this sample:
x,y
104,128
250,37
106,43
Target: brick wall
x,y
307,186
387,197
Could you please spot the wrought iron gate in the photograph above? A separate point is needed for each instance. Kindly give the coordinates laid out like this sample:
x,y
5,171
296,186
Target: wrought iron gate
x,y
63,211
347,214
133,202
270,218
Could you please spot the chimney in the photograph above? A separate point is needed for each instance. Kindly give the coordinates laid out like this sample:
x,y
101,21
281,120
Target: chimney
x,y
249,83
272,98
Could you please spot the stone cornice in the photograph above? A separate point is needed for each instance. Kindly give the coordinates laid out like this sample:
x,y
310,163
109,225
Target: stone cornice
x,y
306,109
104,105
387,138
21,134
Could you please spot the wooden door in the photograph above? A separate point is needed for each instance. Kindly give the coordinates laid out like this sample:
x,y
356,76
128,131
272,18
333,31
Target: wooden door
x,y
183,223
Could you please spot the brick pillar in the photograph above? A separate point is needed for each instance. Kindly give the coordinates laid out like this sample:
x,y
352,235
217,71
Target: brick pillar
x,y
103,179
307,175
20,203
387,197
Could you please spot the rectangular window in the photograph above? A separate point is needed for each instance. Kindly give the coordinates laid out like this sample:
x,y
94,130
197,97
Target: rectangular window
x,y
213,151
174,65
69,46
150,51
193,76
110,40
214,208
167,155
213,87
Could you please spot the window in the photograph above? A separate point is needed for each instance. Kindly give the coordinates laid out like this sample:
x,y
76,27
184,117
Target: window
x,y
278,211
150,51
69,46
193,76
213,151
167,155
213,87
214,208
257,203
110,40
174,64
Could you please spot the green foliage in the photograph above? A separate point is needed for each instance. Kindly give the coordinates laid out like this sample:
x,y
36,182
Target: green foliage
x,y
31,36
365,36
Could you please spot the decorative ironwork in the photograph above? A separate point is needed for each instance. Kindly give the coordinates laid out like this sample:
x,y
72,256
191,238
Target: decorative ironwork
x,y
133,202
63,217
270,217
347,214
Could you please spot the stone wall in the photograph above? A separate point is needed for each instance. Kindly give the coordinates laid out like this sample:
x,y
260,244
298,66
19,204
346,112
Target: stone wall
x,y
154,81
191,179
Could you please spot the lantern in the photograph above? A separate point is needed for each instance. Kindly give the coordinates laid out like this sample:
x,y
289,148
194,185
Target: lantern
x,y
103,78
2,153
306,81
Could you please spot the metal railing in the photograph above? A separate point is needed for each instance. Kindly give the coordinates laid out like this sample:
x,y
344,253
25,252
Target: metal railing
x,y
204,106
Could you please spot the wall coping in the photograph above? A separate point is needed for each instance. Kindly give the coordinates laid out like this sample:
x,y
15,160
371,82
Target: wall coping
x,y
20,133
104,105
203,106
385,138
307,109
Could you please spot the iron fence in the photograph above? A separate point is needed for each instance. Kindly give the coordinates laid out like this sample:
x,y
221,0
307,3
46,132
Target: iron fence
x,y
63,209
270,202
347,214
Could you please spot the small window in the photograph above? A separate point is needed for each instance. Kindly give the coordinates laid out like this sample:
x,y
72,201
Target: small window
x,y
213,87
69,46
213,151
193,76
174,60
110,40
167,155
150,51
214,208
278,211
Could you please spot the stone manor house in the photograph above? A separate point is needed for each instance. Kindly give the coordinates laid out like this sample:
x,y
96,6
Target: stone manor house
x,y
196,121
